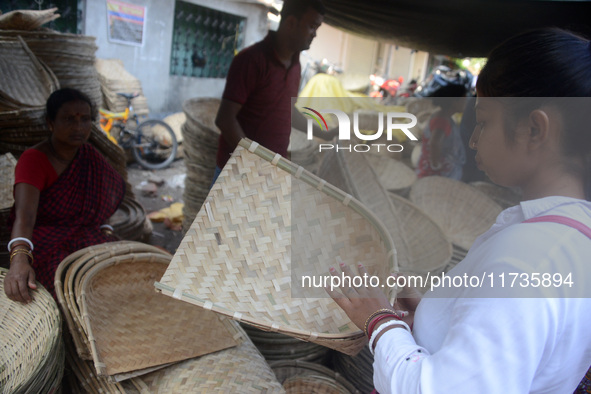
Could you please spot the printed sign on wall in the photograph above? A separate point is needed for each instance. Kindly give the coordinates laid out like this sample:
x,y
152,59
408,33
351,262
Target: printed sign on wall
x,y
126,22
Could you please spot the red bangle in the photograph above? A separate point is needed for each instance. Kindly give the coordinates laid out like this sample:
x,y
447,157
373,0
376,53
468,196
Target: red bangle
x,y
375,321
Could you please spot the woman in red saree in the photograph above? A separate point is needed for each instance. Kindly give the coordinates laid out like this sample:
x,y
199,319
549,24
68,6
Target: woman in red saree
x,y
64,192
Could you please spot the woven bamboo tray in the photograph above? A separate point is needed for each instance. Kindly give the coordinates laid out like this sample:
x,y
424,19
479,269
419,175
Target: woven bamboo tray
x,y
304,377
237,256
275,347
462,211
409,227
65,279
503,196
147,329
32,354
394,175
240,369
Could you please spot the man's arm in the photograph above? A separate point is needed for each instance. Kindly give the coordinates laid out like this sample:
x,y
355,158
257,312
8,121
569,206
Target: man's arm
x,y
228,124
299,122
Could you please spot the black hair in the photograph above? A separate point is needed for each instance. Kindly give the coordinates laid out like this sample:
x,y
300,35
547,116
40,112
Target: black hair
x,y
298,8
440,96
549,66
66,95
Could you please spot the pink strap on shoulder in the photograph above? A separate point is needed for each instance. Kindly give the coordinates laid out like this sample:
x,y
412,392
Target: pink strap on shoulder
x,y
562,220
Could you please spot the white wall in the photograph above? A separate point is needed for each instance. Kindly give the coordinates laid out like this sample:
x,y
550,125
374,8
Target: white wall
x,y
151,62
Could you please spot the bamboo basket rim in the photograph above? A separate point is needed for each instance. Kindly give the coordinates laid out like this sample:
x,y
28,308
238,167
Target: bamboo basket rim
x,y
300,173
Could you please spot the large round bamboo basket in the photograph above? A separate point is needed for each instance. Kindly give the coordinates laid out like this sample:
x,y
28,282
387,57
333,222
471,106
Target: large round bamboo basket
x,y
462,211
31,347
358,369
394,175
264,218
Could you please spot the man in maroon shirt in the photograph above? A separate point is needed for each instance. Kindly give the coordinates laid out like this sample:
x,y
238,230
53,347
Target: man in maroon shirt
x,y
261,82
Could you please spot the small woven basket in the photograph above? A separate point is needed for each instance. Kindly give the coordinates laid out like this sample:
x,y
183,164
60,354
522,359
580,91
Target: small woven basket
x,y
462,211
264,218
32,353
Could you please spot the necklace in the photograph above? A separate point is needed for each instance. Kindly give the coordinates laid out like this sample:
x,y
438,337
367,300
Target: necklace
x,y
56,155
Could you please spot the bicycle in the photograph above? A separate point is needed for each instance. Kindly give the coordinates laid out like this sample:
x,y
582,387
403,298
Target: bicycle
x,y
152,143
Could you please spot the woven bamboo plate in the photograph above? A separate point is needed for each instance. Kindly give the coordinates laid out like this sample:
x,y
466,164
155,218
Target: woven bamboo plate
x,y
353,173
31,348
503,196
237,257
147,329
304,377
394,175
462,211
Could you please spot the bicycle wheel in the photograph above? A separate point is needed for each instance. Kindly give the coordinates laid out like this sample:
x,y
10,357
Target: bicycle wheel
x,y
154,145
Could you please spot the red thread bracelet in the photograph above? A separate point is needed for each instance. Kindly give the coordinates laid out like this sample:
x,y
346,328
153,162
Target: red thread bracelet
x,y
375,321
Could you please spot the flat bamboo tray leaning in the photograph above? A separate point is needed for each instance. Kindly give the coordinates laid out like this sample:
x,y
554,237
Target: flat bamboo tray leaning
x,y
119,322
462,211
31,347
265,225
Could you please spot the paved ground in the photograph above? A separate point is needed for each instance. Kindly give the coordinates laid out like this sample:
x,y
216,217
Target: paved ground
x,y
168,192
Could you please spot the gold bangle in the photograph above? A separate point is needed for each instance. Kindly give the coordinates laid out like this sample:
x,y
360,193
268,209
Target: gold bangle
x,y
21,251
106,231
378,312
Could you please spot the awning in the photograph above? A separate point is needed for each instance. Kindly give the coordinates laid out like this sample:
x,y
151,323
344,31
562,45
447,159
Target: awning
x,y
458,28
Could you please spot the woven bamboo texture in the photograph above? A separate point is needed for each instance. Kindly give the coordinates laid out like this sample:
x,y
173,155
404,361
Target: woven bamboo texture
x,y
462,211
27,82
147,329
275,347
304,377
237,256
200,136
240,369
7,165
31,347
145,332
176,121
409,227
69,56
503,196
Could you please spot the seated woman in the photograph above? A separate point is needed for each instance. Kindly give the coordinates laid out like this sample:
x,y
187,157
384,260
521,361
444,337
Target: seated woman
x,y
64,193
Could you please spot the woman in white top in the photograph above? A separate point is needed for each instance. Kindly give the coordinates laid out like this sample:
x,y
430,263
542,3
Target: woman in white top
x,y
528,328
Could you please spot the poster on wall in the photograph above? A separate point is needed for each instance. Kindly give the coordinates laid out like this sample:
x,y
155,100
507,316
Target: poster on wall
x,y
126,22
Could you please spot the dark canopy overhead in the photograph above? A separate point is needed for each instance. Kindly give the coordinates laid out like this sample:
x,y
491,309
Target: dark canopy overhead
x,y
457,28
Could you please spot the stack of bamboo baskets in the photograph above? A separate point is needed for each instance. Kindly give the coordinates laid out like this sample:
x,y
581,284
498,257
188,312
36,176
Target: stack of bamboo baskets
x,y
115,79
200,136
126,337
